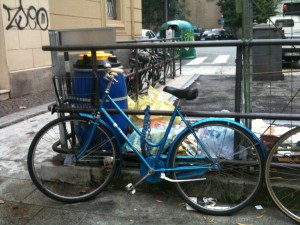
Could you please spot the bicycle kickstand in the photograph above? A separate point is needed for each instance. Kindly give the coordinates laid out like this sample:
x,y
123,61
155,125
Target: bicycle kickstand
x,y
131,187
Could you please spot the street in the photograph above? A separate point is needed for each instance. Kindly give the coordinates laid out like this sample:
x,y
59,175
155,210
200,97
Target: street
x,y
211,53
216,84
212,61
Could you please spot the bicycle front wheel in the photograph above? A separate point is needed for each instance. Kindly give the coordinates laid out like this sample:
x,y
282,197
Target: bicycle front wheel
x,y
231,170
282,173
66,166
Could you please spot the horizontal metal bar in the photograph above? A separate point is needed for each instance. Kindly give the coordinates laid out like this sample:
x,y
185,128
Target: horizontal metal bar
x,y
204,114
273,116
254,42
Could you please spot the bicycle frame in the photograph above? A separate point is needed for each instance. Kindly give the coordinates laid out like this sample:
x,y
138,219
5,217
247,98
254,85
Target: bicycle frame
x,y
160,144
103,112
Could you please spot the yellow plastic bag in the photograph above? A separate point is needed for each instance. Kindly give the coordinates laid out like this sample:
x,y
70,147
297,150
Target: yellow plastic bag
x,y
131,103
156,136
156,102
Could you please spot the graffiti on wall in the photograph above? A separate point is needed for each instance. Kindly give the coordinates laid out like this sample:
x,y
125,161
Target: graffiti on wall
x,y
21,18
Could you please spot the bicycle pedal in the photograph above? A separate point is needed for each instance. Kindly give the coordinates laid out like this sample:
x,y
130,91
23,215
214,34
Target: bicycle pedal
x,y
130,188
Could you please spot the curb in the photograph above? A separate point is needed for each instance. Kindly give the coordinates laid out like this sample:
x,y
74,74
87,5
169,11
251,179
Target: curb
x,y
23,115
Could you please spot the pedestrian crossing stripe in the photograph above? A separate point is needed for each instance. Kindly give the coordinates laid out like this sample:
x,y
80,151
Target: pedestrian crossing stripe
x,y
221,59
197,61
201,60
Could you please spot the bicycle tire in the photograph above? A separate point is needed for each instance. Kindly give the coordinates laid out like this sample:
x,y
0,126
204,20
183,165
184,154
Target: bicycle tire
x,y
143,82
235,180
154,76
54,168
282,173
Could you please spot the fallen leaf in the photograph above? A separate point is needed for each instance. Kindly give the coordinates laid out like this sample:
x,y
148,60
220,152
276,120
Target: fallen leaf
x,y
22,107
2,202
258,217
182,204
30,133
83,191
159,200
14,207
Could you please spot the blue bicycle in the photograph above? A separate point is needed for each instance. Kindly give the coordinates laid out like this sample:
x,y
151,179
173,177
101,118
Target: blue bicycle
x,y
215,164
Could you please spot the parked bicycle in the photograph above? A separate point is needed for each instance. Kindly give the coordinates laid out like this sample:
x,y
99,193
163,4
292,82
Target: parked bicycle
x,y
148,68
139,67
215,164
282,173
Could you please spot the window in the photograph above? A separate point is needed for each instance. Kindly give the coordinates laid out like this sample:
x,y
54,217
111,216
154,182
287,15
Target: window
x,y
115,13
284,23
111,9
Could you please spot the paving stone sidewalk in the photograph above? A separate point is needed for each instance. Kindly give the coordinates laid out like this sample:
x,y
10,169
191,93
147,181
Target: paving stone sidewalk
x,y
29,101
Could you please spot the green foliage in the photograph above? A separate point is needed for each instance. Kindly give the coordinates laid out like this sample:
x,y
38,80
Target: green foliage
x,y
233,20
187,35
262,10
153,12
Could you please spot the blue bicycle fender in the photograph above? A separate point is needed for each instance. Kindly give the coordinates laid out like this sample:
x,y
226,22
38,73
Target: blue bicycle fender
x,y
262,146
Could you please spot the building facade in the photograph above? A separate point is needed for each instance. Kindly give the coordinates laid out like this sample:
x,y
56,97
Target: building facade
x,y
204,13
24,67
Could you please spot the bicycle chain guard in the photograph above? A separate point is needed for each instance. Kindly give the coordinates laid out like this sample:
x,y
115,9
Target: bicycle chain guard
x,y
155,178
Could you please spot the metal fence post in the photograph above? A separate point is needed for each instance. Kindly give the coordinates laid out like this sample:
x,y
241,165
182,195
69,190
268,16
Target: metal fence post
x,y
238,80
247,60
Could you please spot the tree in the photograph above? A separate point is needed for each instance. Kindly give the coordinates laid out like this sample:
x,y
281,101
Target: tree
x,y
262,10
153,12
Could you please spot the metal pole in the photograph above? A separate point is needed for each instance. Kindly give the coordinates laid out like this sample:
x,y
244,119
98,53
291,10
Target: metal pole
x,y
95,92
238,81
55,41
166,10
247,56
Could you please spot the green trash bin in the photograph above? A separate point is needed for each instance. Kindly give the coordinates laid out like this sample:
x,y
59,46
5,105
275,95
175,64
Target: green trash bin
x,y
182,31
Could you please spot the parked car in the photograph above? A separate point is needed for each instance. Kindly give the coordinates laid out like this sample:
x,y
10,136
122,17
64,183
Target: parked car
x,y
290,26
197,33
148,34
206,35
218,34
230,36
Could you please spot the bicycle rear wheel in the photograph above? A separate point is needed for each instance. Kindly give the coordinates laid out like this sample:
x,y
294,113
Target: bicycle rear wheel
x,y
229,184
282,173
154,76
60,171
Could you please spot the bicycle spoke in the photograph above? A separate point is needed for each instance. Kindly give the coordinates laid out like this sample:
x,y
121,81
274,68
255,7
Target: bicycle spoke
x,y
54,165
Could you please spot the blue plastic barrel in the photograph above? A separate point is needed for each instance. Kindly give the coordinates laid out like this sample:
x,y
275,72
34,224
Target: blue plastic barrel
x,y
82,86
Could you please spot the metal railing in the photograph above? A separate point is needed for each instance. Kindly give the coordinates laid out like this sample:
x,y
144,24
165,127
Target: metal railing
x,y
166,58
239,78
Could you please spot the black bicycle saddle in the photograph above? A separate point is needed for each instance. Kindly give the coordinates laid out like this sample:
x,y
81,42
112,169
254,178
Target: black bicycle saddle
x,y
187,93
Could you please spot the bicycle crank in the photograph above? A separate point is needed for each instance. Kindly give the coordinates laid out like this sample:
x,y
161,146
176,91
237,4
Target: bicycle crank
x,y
131,187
